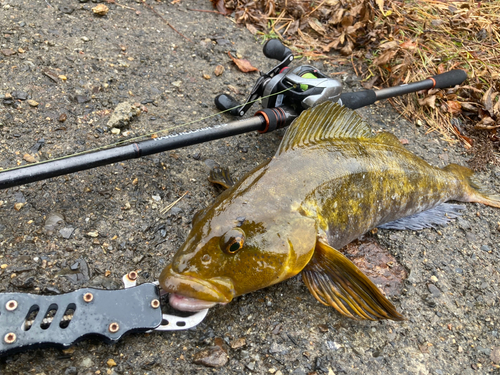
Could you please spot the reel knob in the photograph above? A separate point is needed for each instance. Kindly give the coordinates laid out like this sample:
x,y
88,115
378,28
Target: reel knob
x,y
274,49
224,102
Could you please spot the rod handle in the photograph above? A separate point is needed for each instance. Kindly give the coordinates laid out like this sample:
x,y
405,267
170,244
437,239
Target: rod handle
x,y
355,100
449,79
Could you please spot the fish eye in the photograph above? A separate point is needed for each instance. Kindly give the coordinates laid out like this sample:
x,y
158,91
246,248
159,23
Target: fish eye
x,y
232,241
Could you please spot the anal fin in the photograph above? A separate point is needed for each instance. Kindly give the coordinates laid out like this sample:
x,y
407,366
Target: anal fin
x,y
439,215
335,281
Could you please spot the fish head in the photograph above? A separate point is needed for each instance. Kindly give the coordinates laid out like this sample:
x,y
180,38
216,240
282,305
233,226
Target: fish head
x,y
227,255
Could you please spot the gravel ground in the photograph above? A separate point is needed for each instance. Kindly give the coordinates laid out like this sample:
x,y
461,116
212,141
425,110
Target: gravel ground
x,y
63,70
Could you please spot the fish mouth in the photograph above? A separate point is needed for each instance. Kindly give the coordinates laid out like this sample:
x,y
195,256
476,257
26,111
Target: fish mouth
x,y
190,293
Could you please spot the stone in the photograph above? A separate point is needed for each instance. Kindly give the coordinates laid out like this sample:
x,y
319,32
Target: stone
x,y
123,115
213,356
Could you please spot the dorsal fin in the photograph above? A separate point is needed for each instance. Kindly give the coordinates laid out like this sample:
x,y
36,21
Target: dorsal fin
x,y
323,122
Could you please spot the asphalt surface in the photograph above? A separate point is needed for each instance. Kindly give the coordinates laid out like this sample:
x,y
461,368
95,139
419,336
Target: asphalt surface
x,y
63,70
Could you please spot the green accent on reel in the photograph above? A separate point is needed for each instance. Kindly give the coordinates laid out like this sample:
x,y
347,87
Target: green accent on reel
x,y
303,86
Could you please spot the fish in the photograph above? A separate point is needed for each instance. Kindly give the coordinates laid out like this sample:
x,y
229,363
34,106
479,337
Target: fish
x,y
331,180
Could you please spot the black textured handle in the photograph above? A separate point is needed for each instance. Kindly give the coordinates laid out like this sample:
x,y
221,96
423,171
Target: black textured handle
x,y
33,321
224,102
355,100
274,49
449,79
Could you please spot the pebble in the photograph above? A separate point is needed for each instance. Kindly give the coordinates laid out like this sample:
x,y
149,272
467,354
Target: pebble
x,y
100,10
66,9
18,206
21,95
111,362
81,99
29,158
53,219
33,103
485,248
434,279
213,356
238,343
85,39
115,131
66,232
8,52
86,362
434,290
122,115
495,355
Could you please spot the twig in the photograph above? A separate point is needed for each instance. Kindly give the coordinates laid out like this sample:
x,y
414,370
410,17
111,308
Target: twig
x,y
164,20
168,207
206,10
315,9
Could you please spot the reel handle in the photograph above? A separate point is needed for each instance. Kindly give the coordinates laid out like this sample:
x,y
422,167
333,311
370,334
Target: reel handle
x,y
274,49
224,102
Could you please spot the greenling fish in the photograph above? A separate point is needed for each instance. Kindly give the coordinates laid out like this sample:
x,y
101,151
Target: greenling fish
x,y
330,181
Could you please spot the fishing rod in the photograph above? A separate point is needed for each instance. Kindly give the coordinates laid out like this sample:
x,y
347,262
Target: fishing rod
x,y
284,93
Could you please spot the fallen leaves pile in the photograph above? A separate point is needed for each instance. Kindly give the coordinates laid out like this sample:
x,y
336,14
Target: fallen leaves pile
x,y
392,42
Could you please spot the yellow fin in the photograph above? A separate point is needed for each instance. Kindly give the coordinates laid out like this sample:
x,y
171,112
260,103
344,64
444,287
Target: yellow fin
x,y
325,121
335,281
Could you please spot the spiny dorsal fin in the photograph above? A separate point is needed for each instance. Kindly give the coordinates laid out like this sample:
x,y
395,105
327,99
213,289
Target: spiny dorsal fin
x,y
334,280
323,122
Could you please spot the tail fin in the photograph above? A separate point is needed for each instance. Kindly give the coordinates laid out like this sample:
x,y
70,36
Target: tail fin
x,y
474,191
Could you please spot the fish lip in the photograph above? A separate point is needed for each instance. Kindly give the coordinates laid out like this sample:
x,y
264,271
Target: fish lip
x,y
194,287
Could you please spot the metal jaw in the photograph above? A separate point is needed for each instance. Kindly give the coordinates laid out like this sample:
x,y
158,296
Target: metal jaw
x,y
29,321
169,322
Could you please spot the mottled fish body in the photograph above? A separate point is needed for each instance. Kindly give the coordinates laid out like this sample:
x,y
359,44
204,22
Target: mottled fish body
x,y
330,181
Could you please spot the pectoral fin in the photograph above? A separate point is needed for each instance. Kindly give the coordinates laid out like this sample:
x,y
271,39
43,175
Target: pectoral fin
x,y
221,176
335,281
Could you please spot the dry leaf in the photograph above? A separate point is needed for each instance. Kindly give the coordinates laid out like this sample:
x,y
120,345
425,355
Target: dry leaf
x,y
454,106
244,65
388,45
467,141
468,106
429,100
316,26
487,123
347,49
385,57
251,28
488,99
221,8
408,45
380,4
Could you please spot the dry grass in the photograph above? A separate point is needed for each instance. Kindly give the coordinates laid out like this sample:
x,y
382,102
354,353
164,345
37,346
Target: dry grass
x,y
392,42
